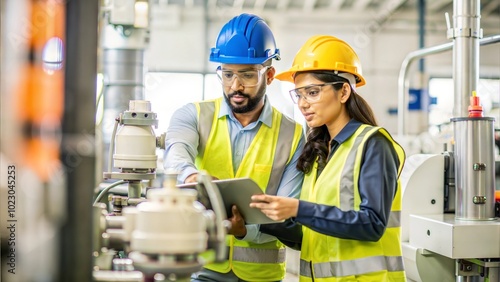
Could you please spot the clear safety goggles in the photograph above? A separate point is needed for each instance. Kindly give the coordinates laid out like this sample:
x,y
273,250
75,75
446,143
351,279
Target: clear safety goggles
x,y
247,78
310,93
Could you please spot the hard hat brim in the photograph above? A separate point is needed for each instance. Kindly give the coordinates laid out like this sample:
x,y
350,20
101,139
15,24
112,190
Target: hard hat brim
x,y
242,60
289,76
285,76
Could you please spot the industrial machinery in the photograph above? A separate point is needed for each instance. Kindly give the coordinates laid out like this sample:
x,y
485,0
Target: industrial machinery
x,y
158,236
144,232
449,228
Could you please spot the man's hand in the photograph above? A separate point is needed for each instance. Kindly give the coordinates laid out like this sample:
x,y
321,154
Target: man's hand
x,y
238,227
192,178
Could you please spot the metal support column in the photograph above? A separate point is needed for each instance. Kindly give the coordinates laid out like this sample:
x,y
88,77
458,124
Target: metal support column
x,y
78,129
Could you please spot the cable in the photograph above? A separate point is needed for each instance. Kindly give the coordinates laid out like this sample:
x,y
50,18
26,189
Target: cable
x,y
105,190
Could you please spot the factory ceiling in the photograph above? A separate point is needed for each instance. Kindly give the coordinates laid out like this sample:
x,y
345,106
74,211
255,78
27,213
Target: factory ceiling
x,y
394,14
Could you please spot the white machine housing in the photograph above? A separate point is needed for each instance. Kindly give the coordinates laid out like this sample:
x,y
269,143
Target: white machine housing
x,y
432,241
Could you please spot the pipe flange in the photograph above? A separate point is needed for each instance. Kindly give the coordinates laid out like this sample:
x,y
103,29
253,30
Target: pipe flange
x,y
464,32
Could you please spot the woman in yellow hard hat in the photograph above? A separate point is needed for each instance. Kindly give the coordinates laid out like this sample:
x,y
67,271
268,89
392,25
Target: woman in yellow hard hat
x,y
350,202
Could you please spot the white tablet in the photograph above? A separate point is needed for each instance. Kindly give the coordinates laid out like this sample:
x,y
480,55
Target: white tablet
x,y
238,191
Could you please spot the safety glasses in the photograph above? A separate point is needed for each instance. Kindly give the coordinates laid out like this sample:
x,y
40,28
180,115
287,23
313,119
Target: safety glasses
x,y
310,93
247,78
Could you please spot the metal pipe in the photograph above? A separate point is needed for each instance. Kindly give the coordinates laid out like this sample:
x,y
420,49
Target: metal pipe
x,y
114,222
466,34
123,70
409,59
134,189
115,239
403,82
220,216
75,246
474,168
421,31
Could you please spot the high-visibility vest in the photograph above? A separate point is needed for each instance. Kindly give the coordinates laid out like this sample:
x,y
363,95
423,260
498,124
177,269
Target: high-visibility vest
x,y
330,259
264,162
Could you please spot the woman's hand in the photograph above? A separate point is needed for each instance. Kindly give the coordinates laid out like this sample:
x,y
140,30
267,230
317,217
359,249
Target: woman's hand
x,y
275,207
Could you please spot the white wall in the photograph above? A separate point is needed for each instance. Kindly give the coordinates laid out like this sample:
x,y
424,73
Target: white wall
x,y
180,44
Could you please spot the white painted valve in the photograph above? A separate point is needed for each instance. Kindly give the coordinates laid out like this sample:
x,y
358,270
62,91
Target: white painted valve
x,y
171,222
136,140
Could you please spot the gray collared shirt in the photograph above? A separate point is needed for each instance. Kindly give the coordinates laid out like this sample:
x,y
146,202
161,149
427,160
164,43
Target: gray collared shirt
x,y
181,149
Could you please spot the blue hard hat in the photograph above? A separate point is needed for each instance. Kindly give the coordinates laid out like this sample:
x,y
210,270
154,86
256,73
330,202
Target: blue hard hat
x,y
245,39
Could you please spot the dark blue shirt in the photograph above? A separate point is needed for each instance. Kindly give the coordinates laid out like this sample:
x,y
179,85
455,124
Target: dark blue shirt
x,y
377,187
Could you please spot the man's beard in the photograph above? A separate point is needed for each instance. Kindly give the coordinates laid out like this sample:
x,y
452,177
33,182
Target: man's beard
x,y
251,102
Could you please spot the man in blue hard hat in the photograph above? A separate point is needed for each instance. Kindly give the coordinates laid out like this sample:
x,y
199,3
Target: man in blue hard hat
x,y
240,135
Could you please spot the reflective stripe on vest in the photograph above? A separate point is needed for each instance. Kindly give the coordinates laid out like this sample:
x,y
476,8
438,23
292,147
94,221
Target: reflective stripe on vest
x,y
205,121
352,267
346,179
253,255
282,156
394,219
347,185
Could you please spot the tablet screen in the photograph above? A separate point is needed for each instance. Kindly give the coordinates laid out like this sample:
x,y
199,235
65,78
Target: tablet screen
x,y
237,191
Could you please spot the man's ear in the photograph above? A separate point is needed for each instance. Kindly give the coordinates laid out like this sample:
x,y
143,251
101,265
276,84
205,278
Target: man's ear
x,y
270,75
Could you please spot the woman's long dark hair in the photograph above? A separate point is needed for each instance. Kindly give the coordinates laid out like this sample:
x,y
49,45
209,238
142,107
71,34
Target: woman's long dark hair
x,y
318,138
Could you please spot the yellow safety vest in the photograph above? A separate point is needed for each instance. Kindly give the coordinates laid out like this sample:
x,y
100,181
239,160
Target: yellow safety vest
x,y
264,162
329,259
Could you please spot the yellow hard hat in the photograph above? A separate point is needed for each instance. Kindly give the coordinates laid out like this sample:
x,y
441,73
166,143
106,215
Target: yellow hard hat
x,y
325,52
